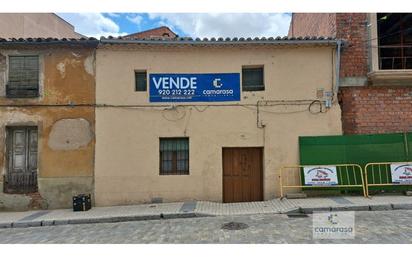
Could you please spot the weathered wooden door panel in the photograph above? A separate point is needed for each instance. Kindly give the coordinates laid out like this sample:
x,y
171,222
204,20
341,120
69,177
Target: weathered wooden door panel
x,y
242,174
21,174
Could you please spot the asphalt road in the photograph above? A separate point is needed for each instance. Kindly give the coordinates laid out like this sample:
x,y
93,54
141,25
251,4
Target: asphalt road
x,y
370,227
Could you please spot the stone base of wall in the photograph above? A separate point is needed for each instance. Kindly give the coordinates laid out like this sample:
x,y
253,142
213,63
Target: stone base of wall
x,y
374,110
53,193
13,202
58,192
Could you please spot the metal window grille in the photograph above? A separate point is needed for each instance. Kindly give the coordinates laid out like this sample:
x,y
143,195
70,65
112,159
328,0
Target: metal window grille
x,y
252,79
140,80
174,156
23,78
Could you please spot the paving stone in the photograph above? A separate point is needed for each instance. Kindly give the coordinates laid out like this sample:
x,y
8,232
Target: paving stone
x,y
370,227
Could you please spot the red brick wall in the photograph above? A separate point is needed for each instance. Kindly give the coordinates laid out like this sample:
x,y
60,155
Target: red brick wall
x,y
352,27
369,110
365,109
312,24
156,32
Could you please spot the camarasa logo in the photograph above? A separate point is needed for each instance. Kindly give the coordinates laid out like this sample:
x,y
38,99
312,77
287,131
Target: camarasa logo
x,y
406,171
217,83
321,173
332,218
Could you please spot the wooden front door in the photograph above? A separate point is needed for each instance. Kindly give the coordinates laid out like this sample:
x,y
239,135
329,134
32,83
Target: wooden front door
x,y
242,174
21,175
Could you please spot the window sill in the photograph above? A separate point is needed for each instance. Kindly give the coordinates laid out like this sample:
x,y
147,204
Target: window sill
x,y
390,78
21,97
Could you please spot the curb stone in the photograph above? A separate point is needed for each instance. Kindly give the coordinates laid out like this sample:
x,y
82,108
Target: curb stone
x,y
316,209
380,207
26,224
351,208
294,210
60,222
5,225
179,215
45,223
402,206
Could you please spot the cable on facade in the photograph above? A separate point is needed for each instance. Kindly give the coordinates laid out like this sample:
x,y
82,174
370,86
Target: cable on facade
x,y
320,107
174,108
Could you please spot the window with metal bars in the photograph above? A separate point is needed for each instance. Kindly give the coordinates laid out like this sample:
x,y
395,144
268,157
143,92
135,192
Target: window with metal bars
x,y
23,77
174,156
140,81
252,79
395,40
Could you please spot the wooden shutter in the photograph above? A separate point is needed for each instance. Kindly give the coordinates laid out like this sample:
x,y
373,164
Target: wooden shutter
x,y
23,78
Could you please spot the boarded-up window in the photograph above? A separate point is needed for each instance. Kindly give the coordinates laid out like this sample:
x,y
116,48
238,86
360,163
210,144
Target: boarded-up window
x,y
252,79
23,78
140,80
174,156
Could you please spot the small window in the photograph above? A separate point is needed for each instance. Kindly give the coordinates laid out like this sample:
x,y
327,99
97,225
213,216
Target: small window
x,y
174,156
23,78
252,79
140,80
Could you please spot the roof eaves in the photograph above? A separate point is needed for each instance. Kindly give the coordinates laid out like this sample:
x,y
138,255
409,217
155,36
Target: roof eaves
x,y
49,41
222,41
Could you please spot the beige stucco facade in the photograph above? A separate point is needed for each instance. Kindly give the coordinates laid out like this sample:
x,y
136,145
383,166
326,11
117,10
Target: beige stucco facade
x,y
23,25
129,127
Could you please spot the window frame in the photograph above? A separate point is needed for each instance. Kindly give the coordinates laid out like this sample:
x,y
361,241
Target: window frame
x,y
13,91
174,170
135,80
253,88
380,47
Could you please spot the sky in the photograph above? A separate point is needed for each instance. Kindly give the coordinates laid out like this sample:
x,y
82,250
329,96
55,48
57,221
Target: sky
x,y
184,24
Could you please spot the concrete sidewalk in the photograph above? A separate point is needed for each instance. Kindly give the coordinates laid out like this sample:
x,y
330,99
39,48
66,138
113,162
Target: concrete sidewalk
x,y
198,209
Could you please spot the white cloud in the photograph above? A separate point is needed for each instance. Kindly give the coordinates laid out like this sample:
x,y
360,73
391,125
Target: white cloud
x,y
227,24
136,19
92,24
113,14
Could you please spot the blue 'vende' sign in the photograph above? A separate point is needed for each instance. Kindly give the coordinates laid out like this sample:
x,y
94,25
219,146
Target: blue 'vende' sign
x,y
211,87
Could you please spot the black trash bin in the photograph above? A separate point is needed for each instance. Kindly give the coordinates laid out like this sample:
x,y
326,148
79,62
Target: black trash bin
x,y
82,202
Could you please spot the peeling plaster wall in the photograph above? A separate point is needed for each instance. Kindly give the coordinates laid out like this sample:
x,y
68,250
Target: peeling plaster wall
x,y
70,134
66,134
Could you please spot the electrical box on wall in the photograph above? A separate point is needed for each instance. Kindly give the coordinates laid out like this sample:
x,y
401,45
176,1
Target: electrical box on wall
x,y
319,93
